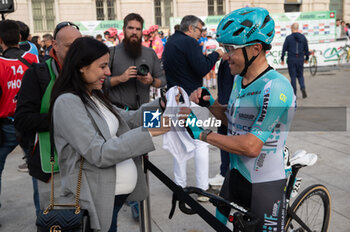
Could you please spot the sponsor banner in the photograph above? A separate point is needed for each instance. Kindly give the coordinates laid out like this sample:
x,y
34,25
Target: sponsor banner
x,y
326,54
98,27
318,26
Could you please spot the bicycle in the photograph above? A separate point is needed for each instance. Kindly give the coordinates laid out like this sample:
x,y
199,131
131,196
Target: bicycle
x,y
309,212
344,54
313,63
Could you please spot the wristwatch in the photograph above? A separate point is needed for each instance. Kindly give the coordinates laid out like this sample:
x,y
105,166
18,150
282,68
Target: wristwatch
x,y
205,133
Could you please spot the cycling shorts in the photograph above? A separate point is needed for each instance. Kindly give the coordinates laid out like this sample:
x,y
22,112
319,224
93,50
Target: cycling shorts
x,y
266,201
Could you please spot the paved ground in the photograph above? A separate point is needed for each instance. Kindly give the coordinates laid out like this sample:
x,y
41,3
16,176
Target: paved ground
x,y
329,88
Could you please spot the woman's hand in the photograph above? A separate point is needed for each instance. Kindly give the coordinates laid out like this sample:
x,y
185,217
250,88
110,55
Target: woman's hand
x,y
165,126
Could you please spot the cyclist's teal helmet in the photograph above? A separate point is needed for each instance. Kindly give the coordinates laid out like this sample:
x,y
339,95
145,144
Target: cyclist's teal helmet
x,y
246,26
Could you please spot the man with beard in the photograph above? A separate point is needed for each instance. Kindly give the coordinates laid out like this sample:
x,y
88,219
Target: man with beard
x,y
127,88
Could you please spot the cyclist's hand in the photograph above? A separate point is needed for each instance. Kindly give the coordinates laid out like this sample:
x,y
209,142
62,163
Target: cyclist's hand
x,y
202,97
282,62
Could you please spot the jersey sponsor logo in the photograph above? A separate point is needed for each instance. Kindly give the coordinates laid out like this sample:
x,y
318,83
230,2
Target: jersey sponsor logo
x,y
248,117
253,93
260,161
283,97
241,127
265,104
270,223
14,84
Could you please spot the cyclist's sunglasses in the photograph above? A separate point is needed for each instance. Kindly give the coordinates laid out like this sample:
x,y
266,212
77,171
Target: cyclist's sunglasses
x,y
230,47
62,25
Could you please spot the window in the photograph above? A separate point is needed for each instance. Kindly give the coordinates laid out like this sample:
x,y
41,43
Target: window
x,y
158,12
105,10
43,15
216,7
162,12
99,10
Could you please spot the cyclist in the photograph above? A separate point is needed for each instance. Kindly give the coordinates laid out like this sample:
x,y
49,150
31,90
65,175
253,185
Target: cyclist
x,y
258,116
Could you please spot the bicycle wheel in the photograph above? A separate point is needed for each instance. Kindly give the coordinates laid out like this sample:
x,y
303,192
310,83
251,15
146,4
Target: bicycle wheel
x,y
313,65
313,207
343,59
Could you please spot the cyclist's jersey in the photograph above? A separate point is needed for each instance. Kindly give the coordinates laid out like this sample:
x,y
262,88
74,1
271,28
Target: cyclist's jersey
x,y
264,108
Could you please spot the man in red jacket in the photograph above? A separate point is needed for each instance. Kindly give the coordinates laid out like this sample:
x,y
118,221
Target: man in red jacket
x,y
13,64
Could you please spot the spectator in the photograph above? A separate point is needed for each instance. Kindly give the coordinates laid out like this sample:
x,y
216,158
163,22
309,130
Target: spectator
x,y
37,42
185,66
47,40
343,29
184,63
31,117
146,38
24,43
298,53
156,42
14,62
86,126
203,38
99,37
111,36
210,46
127,88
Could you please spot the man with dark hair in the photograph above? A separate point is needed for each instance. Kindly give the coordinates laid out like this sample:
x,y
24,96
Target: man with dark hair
x,y
128,87
13,64
184,63
31,117
24,43
47,40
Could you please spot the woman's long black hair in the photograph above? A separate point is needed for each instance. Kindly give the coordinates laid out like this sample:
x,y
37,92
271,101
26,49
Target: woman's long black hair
x,y
82,53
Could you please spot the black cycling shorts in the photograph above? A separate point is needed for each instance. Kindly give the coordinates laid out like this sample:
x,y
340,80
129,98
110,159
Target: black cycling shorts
x,y
266,201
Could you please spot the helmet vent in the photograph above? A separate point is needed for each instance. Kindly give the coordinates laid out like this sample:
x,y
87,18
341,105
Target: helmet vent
x,y
244,13
227,24
270,33
247,23
238,32
266,20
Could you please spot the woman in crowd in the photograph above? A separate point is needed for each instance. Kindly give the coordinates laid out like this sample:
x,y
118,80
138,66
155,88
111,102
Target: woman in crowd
x,y
111,141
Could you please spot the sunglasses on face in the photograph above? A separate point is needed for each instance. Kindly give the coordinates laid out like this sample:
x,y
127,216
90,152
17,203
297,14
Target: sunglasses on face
x,y
200,29
231,47
62,25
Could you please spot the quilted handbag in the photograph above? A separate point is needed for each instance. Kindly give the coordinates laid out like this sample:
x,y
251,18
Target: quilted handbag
x,y
71,219
63,220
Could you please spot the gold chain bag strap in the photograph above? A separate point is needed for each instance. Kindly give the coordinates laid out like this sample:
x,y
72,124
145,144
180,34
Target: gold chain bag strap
x,y
72,219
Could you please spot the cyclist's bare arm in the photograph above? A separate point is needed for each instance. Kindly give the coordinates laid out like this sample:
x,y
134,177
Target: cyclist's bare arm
x,y
247,145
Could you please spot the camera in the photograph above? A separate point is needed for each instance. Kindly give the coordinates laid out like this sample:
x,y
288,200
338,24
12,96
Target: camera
x,y
142,70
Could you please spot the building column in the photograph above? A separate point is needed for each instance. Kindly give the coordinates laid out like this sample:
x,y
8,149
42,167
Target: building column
x,y
119,10
57,12
227,7
175,11
30,16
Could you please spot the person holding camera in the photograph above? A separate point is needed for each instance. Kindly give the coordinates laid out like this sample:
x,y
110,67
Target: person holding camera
x,y
134,68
